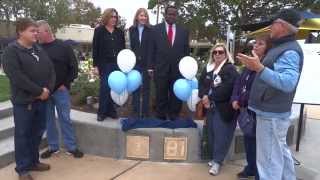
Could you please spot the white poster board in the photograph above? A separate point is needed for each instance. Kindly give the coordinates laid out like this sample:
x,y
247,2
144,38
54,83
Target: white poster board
x,y
308,90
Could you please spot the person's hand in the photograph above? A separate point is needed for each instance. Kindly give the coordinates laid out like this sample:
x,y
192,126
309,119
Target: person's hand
x,y
206,102
235,105
150,72
44,95
62,88
96,71
251,62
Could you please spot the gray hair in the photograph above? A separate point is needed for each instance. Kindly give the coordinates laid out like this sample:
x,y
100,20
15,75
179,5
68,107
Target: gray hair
x,y
44,23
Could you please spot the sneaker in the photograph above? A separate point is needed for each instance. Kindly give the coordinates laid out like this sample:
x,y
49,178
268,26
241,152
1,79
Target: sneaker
x,y
76,153
210,163
26,176
48,153
215,168
40,167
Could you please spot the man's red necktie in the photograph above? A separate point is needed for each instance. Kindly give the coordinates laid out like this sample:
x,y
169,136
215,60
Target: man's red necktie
x,y
170,34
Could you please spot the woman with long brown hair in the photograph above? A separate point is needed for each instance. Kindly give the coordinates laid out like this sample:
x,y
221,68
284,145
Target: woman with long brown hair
x,y
108,41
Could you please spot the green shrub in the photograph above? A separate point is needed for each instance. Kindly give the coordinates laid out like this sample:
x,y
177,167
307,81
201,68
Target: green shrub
x,y
83,87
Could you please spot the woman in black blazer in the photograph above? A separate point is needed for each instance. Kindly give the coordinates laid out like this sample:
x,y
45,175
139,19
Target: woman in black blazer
x,y
140,43
216,85
108,41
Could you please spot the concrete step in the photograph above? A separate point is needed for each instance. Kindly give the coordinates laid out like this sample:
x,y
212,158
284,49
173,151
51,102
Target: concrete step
x,y
7,150
6,127
5,109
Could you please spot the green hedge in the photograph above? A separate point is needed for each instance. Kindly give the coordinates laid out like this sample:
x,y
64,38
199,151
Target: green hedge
x,y
4,88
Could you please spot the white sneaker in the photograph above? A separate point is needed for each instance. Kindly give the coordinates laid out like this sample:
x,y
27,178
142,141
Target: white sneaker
x,y
215,168
210,163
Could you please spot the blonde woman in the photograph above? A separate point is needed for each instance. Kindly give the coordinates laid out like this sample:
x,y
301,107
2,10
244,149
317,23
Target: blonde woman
x,y
216,84
140,44
108,41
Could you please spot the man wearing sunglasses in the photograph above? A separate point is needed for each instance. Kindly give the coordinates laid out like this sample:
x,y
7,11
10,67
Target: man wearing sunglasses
x,y
272,95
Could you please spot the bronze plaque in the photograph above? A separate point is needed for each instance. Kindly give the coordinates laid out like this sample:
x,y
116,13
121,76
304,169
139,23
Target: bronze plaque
x,y
175,148
138,147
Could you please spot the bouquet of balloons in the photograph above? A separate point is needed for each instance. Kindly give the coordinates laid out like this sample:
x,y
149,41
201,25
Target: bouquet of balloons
x,y
126,81
186,89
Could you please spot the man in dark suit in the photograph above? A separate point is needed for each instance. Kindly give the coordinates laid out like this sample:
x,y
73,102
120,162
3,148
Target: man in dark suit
x,y
171,43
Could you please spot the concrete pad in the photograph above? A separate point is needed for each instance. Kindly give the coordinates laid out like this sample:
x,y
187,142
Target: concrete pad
x,y
178,171
68,168
313,111
308,154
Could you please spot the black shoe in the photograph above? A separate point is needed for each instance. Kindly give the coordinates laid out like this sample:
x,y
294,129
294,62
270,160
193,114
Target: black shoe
x,y
76,153
243,175
113,116
100,118
48,153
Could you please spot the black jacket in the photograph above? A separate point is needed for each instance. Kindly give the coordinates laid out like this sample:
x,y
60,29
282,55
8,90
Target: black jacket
x,y
143,50
29,70
106,45
222,92
166,58
64,61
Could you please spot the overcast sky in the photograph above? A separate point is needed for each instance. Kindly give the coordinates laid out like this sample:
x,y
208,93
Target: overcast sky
x,y
126,8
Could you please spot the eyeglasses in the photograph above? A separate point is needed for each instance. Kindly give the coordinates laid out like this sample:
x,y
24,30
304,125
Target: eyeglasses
x,y
218,52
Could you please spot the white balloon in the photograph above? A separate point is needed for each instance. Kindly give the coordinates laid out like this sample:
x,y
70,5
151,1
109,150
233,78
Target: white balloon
x,y
188,67
126,60
193,100
119,99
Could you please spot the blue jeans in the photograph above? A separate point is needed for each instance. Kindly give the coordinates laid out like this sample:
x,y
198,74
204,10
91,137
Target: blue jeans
x,y
30,122
141,109
106,105
60,100
220,135
274,158
250,148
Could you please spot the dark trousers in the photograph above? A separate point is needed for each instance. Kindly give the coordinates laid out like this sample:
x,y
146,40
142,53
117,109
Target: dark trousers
x,y
106,105
141,109
30,123
167,104
220,135
250,148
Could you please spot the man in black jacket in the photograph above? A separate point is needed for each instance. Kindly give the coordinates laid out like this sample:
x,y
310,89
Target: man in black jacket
x,y
66,67
171,44
32,78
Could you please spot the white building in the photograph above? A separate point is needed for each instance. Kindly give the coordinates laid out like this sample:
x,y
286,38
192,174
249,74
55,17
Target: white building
x,y
77,32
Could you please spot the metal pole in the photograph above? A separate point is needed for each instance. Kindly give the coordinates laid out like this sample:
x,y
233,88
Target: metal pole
x,y
299,127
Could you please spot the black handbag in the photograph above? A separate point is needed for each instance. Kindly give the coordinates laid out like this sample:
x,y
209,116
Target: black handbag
x,y
247,122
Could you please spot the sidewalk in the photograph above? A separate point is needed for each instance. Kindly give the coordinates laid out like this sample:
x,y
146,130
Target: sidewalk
x,y
97,168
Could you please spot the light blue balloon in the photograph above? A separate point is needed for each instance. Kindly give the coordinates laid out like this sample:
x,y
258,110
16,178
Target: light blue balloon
x,y
194,83
182,89
117,81
134,80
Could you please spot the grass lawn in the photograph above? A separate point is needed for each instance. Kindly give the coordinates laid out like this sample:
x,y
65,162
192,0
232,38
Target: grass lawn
x,y
4,88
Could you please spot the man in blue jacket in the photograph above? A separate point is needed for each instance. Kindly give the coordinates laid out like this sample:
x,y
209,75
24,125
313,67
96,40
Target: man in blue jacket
x,y
272,95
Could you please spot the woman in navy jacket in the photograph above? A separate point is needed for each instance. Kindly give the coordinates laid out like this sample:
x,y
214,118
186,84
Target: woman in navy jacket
x,y
108,41
216,84
140,42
